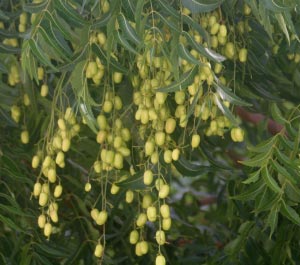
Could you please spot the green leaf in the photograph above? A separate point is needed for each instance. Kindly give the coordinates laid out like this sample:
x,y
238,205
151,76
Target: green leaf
x,y
286,142
282,24
186,55
196,26
267,201
69,13
253,177
191,169
41,55
272,220
276,5
271,183
226,94
250,192
292,192
35,7
258,160
128,30
226,111
288,212
133,182
276,114
112,62
169,9
120,38
168,22
201,6
87,114
280,169
206,52
102,21
3,16
11,224
184,81
9,49
264,146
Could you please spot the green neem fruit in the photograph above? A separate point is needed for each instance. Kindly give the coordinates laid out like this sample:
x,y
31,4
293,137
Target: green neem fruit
x,y
170,125
129,196
114,189
195,140
42,221
147,201
141,220
148,177
149,148
223,31
43,199
229,50
243,55
179,97
160,260
175,154
101,218
151,213
165,211
98,250
58,191
47,229
25,137
107,106
160,237
37,188
160,138
144,247
133,237
166,223
164,191
102,123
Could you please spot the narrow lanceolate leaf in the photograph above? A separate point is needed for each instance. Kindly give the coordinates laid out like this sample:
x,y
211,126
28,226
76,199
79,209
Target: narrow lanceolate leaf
x,y
102,21
186,55
191,169
120,38
111,61
285,174
251,191
133,182
267,201
201,6
227,113
69,13
194,103
290,213
253,177
203,51
265,146
277,6
196,26
9,49
276,114
10,223
269,180
286,142
226,94
282,24
128,30
35,7
168,22
41,55
184,81
272,220
87,114
258,160
169,9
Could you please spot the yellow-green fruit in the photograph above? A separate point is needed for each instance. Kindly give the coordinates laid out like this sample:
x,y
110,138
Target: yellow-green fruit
x,y
101,136
25,137
159,183
149,148
147,201
168,156
118,103
117,77
37,188
223,31
148,177
52,175
102,122
87,187
160,237
23,18
94,214
15,113
101,218
160,138
26,100
175,154
53,216
133,237
107,106
212,20
97,167
57,142
154,158
164,191
179,97
42,221
125,133
166,223
151,213
247,10
66,144
98,250
40,73
160,260
114,189
45,188
60,158
91,69
170,125
58,191
218,68
214,29
237,134
44,90
129,196
165,211
138,250
61,124
47,229
101,38
35,161
243,55
141,220
229,50
43,199
118,161
144,247
195,140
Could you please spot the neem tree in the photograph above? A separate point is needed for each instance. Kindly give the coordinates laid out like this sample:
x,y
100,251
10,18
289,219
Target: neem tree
x,y
149,132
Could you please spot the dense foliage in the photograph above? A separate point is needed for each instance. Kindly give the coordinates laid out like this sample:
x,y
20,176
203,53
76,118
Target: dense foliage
x,y
149,132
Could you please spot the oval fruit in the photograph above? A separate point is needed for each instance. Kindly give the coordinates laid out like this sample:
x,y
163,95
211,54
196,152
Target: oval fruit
x,y
195,140
129,196
164,191
101,218
133,237
160,260
58,191
141,220
170,125
47,229
243,55
37,188
148,177
151,213
160,237
98,250
165,211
